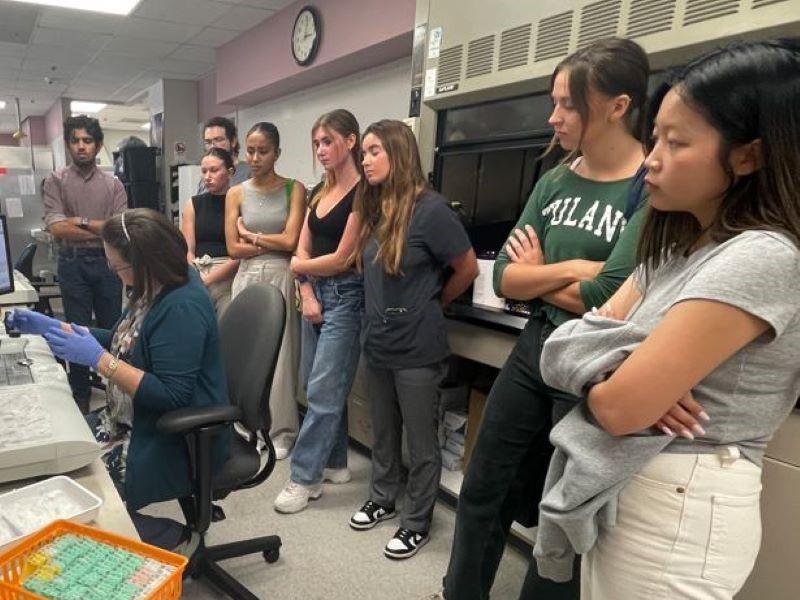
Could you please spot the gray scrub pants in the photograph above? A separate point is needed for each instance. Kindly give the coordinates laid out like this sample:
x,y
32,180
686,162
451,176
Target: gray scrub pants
x,y
406,397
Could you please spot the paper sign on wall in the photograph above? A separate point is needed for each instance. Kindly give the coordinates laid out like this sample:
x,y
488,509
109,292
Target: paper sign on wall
x,y
27,185
430,82
13,208
434,42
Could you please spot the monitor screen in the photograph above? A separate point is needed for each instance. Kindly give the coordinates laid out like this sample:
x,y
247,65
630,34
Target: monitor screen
x,y
6,266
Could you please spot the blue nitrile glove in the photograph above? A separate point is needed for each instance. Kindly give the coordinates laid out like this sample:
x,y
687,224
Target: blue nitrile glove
x,y
28,321
79,347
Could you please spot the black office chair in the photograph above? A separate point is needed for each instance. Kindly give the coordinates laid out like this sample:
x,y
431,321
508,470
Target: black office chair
x,y
24,265
251,331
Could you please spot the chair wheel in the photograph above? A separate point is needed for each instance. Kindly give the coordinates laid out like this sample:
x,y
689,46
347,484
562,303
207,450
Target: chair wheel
x,y
195,574
271,556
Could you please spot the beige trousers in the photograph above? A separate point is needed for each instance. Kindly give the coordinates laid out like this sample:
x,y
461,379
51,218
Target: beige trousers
x,y
688,526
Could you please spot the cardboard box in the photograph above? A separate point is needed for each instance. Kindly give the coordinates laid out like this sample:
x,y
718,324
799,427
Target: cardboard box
x,y
477,401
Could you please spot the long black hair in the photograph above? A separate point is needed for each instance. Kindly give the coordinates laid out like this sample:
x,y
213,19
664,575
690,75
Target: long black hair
x,y
747,91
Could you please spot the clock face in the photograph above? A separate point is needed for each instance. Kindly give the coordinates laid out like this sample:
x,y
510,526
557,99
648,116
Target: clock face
x,y
305,36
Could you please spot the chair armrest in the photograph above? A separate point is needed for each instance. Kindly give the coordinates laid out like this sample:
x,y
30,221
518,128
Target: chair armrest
x,y
188,419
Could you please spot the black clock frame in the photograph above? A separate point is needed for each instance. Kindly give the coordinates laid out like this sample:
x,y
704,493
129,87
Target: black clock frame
x,y
315,15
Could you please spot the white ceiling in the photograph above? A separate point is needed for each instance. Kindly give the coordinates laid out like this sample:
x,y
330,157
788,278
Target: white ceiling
x,y
50,52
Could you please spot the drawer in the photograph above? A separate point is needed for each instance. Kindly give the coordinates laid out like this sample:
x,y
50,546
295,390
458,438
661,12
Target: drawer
x,y
359,421
785,446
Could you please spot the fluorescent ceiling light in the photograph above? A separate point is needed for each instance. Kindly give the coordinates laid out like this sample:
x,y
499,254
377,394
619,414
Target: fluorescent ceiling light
x,y
79,106
2,104
145,126
114,7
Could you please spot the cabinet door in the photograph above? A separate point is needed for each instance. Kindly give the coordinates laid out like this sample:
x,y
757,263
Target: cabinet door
x,y
776,576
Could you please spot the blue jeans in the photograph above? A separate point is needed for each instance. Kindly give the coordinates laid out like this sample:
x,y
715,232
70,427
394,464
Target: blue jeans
x,y
87,285
329,360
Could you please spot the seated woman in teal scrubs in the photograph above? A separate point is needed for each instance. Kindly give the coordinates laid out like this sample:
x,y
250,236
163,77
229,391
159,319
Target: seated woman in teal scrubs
x,y
162,355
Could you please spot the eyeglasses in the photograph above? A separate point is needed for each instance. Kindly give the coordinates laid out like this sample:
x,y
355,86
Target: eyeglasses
x,y
214,141
114,269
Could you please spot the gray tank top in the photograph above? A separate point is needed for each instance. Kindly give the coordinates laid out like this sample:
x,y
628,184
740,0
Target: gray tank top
x,y
266,213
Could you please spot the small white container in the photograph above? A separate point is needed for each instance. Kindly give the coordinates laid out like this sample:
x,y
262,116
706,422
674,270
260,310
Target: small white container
x,y
85,506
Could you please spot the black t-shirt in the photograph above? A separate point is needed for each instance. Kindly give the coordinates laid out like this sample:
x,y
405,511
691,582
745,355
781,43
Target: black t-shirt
x,y
326,233
403,321
209,225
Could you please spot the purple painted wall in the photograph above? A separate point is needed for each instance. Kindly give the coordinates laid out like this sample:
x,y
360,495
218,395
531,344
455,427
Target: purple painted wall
x,y
356,35
6,139
54,121
207,106
34,128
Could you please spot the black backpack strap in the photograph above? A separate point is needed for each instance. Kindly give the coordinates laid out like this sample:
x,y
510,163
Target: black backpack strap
x,y
636,192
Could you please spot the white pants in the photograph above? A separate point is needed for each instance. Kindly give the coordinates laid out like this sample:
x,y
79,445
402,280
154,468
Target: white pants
x,y
688,526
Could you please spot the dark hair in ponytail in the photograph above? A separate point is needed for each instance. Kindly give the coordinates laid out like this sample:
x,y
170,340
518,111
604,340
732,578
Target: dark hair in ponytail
x,y
612,67
223,155
269,131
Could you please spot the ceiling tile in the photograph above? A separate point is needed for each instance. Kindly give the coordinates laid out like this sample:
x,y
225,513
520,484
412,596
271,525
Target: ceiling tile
x,y
194,12
80,20
196,53
9,49
10,63
69,37
151,29
55,54
214,37
142,48
242,18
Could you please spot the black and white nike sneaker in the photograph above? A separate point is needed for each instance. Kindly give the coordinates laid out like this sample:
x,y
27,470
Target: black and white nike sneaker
x,y
405,543
370,515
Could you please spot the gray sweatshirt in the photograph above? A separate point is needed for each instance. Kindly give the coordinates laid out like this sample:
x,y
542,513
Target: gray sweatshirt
x,y
747,396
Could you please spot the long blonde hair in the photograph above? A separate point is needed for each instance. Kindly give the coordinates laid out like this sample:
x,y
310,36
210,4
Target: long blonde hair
x,y
386,209
344,123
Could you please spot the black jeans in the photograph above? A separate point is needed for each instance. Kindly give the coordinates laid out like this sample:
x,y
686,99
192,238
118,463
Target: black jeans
x,y
518,416
87,285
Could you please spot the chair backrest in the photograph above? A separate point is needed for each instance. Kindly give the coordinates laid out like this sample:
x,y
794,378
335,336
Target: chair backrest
x,y
24,262
251,331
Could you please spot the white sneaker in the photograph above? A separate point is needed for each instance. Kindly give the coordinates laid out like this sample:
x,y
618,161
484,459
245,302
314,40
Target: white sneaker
x,y
342,475
294,497
281,452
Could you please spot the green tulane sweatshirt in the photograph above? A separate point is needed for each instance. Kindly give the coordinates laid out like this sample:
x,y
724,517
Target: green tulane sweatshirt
x,y
576,217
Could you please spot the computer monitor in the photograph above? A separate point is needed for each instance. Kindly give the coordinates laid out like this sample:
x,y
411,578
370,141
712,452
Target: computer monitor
x,y
6,266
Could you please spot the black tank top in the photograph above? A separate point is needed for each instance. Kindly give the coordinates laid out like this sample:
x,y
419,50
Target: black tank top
x,y
209,225
326,233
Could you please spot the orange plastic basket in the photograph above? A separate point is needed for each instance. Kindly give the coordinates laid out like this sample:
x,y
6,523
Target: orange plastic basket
x,y
13,560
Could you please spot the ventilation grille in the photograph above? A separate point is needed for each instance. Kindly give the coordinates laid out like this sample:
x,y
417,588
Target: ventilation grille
x,y
650,16
480,54
760,3
599,20
553,35
450,65
514,47
698,11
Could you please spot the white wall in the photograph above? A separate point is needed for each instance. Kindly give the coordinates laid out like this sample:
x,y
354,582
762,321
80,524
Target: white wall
x,y
379,93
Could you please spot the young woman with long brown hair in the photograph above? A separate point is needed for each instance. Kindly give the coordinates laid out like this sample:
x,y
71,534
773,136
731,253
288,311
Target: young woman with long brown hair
x,y
409,237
